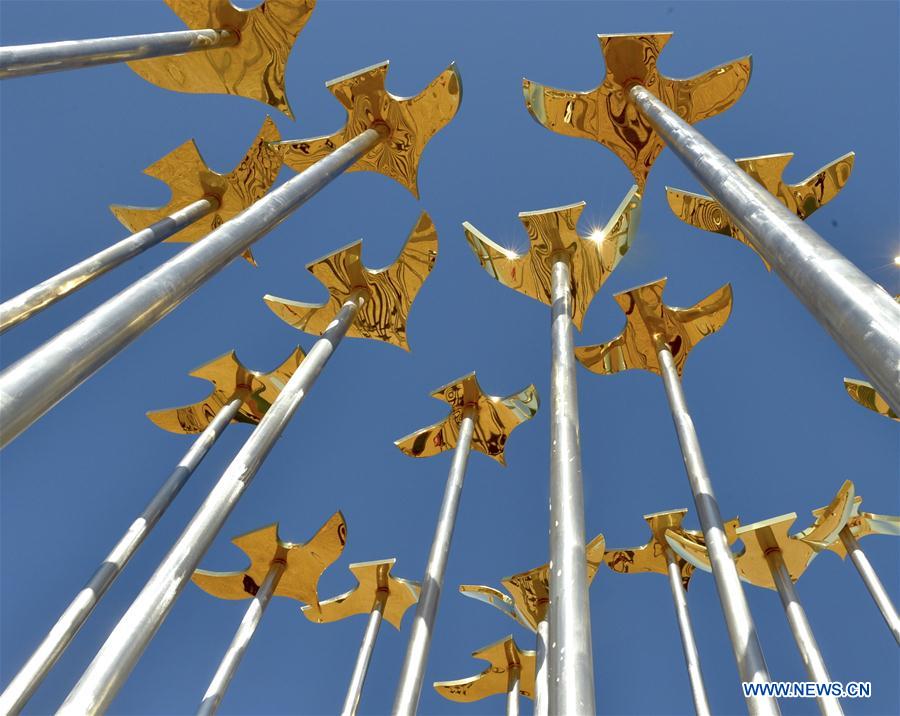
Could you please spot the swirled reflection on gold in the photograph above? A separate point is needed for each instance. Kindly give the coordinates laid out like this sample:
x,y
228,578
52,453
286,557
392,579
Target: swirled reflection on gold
x,y
253,67
304,563
606,115
865,394
495,418
190,179
651,325
409,123
389,292
506,661
374,581
802,198
651,557
230,380
552,232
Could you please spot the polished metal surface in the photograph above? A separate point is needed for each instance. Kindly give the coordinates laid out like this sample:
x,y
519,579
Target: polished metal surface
x,y
32,674
873,583
509,667
542,670
409,123
512,691
35,383
35,299
117,657
865,394
361,668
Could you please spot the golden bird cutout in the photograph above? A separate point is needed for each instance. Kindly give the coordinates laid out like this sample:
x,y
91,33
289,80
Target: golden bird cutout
x,y
304,563
230,380
372,578
495,418
504,657
408,123
650,325
253,67
802,198
190,179
606,115
552,231
865,394
389,292
651,557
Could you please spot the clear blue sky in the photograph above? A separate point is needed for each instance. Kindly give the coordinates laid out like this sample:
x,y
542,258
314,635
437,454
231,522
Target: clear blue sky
x,y
778,431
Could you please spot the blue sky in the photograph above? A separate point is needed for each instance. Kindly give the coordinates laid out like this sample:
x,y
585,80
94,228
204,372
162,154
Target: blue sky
x,y
779,433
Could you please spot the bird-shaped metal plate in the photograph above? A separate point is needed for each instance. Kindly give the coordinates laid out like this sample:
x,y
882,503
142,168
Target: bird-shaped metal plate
x,y
554,231
190,179
650,324
253,67
829,520
408,123
865,394
606,115
651,557
802,198
372,578
304,563
495,418
230,380
503,656
389,292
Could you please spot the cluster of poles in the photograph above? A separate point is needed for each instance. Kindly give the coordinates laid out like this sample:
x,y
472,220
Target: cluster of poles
x,y
561,269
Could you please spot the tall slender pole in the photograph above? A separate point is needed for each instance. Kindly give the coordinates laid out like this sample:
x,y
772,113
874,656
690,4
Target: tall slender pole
x,y
512,691
744,641
858,313
802,631
571,664
34,384
541,685
688,645
412,674
30,676
117,657
351,703
55,288
872,582
238,647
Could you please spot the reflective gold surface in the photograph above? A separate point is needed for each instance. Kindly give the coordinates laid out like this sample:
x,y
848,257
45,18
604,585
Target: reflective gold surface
x,y
372,578
802,198
606,115
254,67
552,232
189,179
409,123
650,324
651,557
230,380
503,656
495,418
304,563
829,520
865,394
389,292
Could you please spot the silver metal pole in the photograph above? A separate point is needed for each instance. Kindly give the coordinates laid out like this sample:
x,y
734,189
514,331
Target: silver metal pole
x,y
744,642
571,661
30,676
858,313
872,582
688,645
238,647
800,628
24,60
351,703
34,384
512,692
117,657
541,685
412,674
55,288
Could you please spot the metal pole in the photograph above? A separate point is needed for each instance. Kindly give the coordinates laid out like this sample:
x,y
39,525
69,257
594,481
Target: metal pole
x,y
365,655
34,384
55,288
24,60
858,313
30,676
800,628
238,647
688,645
512,692
541,685
872,582
117,657
412,674
744,642
571,665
